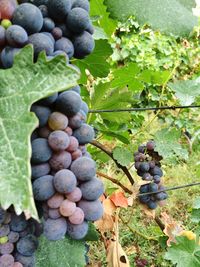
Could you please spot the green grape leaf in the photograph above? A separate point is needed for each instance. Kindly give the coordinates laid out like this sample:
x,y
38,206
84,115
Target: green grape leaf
x,y
98,9
99,33
123,156
186,91
167,144
196,203
62,253
169,16
184,253
195,215
96,62
126,76
21,86
92,234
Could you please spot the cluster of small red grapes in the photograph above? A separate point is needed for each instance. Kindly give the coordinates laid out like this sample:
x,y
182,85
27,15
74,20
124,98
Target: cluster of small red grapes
x,y
65,185
18,239
57,27
148,166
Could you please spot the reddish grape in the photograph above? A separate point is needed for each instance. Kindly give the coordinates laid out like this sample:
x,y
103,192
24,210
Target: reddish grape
x,y
77,217
67,208
55,201
73,145
75,195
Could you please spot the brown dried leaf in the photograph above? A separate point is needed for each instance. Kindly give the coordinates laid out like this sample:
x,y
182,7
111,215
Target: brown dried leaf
x,y
106,223
116,257
172,228
119,199
109,207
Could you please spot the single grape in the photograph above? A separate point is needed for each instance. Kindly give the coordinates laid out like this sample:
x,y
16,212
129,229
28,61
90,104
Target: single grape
x,y
6,260
147,176
144,199
60,160
83,45
55,201
161,196
17,264
77,217
16,36
43,188
44,132
77,120
78,231
77,154
4,230
144,188
13,237
55,229
7,8
81,3
42,114
156,179
93,210
58,140
67,208
142,149
57,33
59,9
153,187
156,171
41,42
64,181
92,189
48,100
44,10
40,170
54,214
75,195
151,145
28,17
144,167
64,44
84,168
7,56
41,152
18,223
69,131
152,205
73,145
78,20
58,121
6,248
69,103
85,134
48,25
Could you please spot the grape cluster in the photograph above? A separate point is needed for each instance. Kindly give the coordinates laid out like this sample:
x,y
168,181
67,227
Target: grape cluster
x,y
64,180
148,166
54,26
18,239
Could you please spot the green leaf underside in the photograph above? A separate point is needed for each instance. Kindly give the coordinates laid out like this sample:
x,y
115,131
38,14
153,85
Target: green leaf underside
x,y
167,143
186,253
169,16
62,253
186,91
21,86
96,62
123,156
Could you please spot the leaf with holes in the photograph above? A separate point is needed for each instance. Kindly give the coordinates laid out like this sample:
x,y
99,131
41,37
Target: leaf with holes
x,y
21,86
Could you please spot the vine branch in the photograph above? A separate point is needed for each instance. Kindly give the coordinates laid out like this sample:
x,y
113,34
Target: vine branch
x,y
115,181
110,154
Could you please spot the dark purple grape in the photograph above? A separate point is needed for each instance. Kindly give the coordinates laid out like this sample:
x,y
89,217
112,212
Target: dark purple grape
x,y
43,188
6,260
156,179
77,232
144,167
40,170
153,187
152,205
64,181
6,248
147,177
151,145
4,230
58,140
13,237
93,210
156,171
84,168
92,189
27,245
144,199
55,229
61,160
18,223
54,214
2,215
142,149
57,33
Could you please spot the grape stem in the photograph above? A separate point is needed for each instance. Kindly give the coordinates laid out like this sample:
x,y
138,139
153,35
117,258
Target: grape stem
x,y
110,154
115,181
